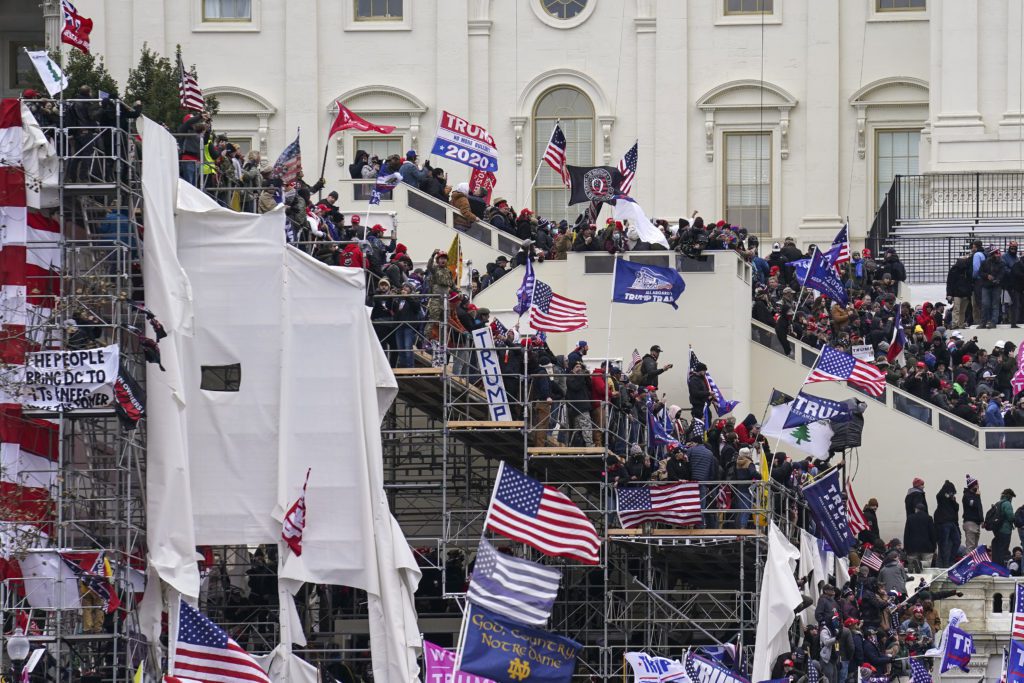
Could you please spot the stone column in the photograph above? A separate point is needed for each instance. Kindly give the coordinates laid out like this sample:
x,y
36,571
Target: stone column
x,y
303,107
821,131
1013,115
957,35
478,27
52,23
646,25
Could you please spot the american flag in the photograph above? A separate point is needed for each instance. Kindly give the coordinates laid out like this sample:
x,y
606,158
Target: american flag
x,y
540,516
634,359
1017,627
518,589
918,673
813,675
499,328
204,652
375,197
872,560
677,503
552,312
554,154
842,240
858,522
966,569
627,167
188,89
289,164
295,520
836,366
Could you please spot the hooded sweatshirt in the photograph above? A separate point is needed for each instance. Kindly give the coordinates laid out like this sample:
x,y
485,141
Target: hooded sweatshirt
x,y
915,495
947,510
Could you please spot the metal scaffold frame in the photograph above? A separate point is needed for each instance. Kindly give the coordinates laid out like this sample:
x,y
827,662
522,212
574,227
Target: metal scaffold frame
x,y
98,495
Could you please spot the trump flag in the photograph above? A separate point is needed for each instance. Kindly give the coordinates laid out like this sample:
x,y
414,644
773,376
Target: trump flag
x,y
639,283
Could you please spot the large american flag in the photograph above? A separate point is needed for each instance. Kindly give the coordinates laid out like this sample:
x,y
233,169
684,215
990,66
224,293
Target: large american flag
x,y
634,359
540,516
1017,627
627,167
858,522
836,366
204,652
289,164
554,154
550,312
188,89
518,589
677,503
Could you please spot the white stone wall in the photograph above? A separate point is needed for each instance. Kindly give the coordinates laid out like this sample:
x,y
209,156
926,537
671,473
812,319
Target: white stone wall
x,y
676,74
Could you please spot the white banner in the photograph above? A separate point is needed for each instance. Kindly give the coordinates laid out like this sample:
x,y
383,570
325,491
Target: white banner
x,y
653,669
491,371
70,380
864,352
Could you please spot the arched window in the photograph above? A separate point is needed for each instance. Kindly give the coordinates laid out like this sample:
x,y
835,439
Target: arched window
x,y
997,603
575,112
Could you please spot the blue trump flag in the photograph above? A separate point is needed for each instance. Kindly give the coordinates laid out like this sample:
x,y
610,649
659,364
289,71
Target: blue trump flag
x,y
825,501
978,562
959,648
806,408
659,435
503,650
821,276
639,283
1015,663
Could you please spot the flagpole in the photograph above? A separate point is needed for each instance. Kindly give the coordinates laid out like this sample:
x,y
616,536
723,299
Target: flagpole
x,y
608,355
323,166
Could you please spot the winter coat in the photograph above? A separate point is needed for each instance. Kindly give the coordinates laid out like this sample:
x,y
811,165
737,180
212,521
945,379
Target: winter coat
x,y
973,509
577,392
914,496
992,272
702,463
649,371
412,175
441,282
461,203
893,575
947,510
677,470
919,533
699,392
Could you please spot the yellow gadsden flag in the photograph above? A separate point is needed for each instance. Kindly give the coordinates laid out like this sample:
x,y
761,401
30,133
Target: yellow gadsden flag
x,y
455,261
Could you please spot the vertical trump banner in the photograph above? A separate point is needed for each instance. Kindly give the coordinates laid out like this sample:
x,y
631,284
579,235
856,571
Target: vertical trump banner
x,y
491,371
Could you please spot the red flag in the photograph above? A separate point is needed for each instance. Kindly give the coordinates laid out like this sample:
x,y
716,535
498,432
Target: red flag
x,y
295,521
347,119
484,179
76,28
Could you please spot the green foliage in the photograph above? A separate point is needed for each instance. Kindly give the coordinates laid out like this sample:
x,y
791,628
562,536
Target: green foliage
x,y
155,81
81,69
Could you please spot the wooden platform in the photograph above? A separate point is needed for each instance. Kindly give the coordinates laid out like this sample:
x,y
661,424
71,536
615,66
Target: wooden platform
x,y
625,533
565,451
417,372
486,424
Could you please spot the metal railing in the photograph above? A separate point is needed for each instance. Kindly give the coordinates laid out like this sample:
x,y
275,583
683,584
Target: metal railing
x,y
980,438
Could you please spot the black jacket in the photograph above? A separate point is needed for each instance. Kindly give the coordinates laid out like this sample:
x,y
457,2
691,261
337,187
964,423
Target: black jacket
x,y
678,470
649,371
699,392
919,534
947,510
914,496
973,509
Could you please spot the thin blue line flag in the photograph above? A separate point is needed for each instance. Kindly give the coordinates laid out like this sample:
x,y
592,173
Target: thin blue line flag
x,y
524,295
639,283
825,501
822,277
806,408
503,650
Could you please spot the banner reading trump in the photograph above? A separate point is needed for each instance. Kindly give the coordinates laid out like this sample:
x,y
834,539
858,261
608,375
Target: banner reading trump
x,y
639,283
490,369
504,650
65,380
467,143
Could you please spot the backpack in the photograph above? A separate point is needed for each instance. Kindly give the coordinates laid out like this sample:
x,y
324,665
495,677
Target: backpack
x,y
637,374
1018,517
993,518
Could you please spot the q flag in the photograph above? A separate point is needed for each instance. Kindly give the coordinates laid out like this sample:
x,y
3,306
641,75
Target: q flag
x,y
959,648
825,501
821,276
807,408
505,650
1015,663
638,283
465,142
593,183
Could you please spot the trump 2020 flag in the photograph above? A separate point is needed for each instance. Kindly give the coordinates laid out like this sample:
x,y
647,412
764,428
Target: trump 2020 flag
x,y
825,501
821,276
654,669
639,283
978,562
807,408
1015,663
505,650
959,648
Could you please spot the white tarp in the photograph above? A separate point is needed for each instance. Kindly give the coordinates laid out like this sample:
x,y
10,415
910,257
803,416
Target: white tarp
x,y
49,582
779,597
811,563
313,384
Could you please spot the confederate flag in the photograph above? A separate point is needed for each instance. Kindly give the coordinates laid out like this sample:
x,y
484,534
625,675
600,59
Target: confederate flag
x,y
76,27
347,119
295,521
